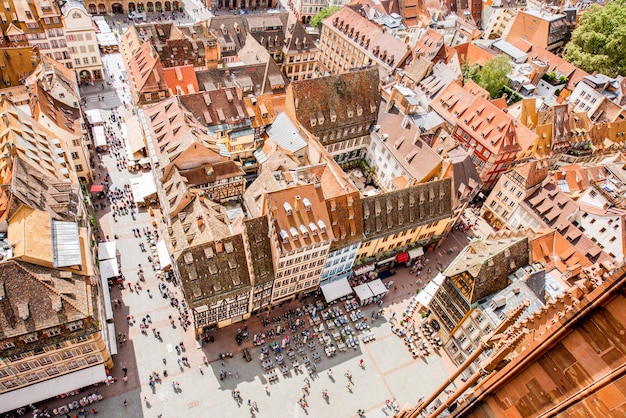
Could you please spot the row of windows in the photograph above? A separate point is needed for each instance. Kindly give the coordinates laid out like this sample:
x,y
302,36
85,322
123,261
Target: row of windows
x,y
297,269
295,288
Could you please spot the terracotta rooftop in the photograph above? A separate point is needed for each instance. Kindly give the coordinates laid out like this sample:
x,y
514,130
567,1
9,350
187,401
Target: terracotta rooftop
x,y
299,216
181,80
531,173
413,154
65,117
554,208
472,54
146,70
558,64
429,45
574,178
171,127
15,64
375,40
554,251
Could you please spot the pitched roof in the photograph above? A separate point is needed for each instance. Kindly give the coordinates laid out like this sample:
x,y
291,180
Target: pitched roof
x,y
257,233
299,216
146,70
488,262
211,271
398,210
554,208
15,64
181,80
472,54
36,298
326,103
65,117
553,251
369,36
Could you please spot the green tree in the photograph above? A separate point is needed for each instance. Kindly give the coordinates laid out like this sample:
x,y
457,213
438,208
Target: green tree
x,y
316,21
599,41
469,72
493,76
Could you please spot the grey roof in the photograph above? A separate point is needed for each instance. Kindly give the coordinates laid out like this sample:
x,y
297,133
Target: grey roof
x,y
500,304
517,54
433,120
65,244
285,134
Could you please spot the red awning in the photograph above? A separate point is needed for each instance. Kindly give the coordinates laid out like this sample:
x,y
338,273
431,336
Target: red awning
x,y
96,188
402,257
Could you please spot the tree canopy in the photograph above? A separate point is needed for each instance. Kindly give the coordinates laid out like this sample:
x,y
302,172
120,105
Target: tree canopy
x,y
316,21
599,41
493,76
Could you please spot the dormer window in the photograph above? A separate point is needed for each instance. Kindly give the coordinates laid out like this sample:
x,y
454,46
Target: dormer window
x,y
287,207
307,204
322,226
313,228
294,233
284,236
333,115
304,231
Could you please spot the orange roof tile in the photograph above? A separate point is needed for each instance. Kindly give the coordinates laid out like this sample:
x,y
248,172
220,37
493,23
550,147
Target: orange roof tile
x,y
181,80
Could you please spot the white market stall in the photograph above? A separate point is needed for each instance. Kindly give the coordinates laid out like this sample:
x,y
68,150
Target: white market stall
x,y
94,117
107,250
336,290
164,256
426,295
364,294
143,188
378,288
109,268
99,138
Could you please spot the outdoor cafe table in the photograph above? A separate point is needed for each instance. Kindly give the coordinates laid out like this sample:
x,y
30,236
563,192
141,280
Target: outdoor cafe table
x,y
336,336
280,359
291,354
267,364
341,346
284,369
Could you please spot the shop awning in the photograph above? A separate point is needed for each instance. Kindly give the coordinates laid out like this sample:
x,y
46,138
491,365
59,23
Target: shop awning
x,y
385,261
109,268
416,252
378,288
107,250
402,257
363,292
364,269
336,289
96,188
425,296
112,339
106,296
164,256
50,388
